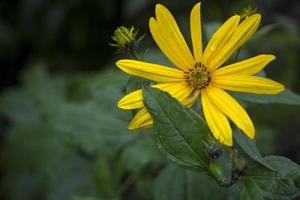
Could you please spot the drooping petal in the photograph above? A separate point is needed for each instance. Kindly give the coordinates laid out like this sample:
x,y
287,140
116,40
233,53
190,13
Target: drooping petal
x,y
150,71
251,84
241,35
140,120
216,120
134,99
246,67
196,32
219,40
231,108
169,38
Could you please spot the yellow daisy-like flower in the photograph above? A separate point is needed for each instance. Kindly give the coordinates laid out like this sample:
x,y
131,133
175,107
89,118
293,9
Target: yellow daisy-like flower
x,y
200,73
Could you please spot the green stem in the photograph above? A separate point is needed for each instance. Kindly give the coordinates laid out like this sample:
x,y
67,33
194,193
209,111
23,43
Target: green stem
x,y
237,171
127,183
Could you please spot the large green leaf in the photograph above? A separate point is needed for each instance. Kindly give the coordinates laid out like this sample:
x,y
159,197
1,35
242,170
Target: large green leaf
x,y
105,130
250,190
249,146
285,97
38,97
52,139
279,182
180,131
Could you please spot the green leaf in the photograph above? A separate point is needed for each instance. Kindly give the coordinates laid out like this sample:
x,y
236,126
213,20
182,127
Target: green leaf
x,y
102,177
286,97
250,190
279,182
105,131
272,196
180,131
249,146
174,159
19,107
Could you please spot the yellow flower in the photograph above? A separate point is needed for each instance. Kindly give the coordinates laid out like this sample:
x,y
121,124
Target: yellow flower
x,y
200,74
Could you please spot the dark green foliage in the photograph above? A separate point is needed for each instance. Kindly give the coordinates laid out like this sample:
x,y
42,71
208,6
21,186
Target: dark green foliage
x,y
249,146
184,144
63,145
181,134
250,190
282,181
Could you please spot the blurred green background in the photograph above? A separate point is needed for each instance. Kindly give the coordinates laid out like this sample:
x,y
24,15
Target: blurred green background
x,y
61,134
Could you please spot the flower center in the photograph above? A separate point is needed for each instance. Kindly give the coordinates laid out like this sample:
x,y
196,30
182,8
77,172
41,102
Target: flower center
x,y
197,77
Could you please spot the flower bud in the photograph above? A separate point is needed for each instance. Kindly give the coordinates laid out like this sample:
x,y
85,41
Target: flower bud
x,y
246,12
124,37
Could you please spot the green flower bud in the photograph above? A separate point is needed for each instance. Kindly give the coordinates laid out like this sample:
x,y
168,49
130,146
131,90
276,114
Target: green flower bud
x,y
246,12
124,37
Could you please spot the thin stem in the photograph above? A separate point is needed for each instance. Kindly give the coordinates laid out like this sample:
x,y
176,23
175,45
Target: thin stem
x,y
127,183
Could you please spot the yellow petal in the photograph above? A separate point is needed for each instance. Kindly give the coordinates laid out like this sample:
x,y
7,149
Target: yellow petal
x,y
251,84
216,121
141,120
231,108
219,40
196,33
179,91
134,100
150,71
168,37
241,35
246,67
190,101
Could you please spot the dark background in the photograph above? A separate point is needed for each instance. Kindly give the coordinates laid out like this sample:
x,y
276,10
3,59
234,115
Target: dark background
x,y
71,37
73,34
